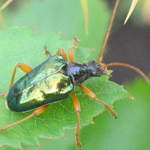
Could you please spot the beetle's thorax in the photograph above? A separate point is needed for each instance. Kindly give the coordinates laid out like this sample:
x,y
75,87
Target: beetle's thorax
x,y
81,72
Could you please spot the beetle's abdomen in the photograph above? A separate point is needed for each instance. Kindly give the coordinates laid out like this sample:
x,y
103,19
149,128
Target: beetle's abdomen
x,y
43,85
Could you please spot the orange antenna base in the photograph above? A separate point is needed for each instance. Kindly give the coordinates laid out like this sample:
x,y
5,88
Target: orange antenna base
x,y
128,66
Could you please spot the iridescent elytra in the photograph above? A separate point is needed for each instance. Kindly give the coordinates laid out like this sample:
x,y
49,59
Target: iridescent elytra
x,y
55,79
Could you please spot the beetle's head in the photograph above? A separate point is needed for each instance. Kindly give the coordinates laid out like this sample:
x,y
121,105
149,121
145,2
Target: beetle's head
x,y
96,70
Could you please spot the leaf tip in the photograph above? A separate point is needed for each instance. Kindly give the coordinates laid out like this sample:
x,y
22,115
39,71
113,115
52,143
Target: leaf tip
x,y
39,146
133,99
93,50
21,148
2,147
65,138
122,86
60,32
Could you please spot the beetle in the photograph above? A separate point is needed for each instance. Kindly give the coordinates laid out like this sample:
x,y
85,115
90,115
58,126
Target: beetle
x,y
55,79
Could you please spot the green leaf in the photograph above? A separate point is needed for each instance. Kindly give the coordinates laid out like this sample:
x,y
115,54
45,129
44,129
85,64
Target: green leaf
x,y
18,45
131,126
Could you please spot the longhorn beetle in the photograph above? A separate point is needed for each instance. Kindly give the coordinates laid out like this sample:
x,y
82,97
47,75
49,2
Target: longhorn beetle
x,y
54,80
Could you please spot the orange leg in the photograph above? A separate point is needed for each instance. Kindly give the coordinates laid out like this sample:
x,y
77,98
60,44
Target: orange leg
x,y
77,109
60,51
24,68
35,113
92,95
71,55
63,53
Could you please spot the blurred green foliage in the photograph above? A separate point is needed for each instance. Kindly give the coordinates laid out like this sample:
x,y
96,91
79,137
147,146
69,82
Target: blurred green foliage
x,y
55,16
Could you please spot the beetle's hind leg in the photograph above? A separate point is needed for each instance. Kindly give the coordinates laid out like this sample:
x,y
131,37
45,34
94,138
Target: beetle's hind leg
x,y
93,96
35,113
24,68
77,109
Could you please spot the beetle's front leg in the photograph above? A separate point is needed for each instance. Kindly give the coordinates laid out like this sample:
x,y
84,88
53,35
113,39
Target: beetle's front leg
x,y
93,96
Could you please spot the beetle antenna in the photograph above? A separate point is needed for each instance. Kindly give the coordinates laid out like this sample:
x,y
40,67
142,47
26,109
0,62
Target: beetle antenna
x,y
108,32
128,66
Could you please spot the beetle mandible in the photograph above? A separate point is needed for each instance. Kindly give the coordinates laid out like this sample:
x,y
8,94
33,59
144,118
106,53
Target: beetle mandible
x,y
54,80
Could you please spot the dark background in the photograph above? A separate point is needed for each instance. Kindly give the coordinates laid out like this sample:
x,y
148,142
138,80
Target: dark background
x,y
129,43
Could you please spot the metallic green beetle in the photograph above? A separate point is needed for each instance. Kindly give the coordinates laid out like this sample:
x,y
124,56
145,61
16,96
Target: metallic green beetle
x,y
47,83
51,81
